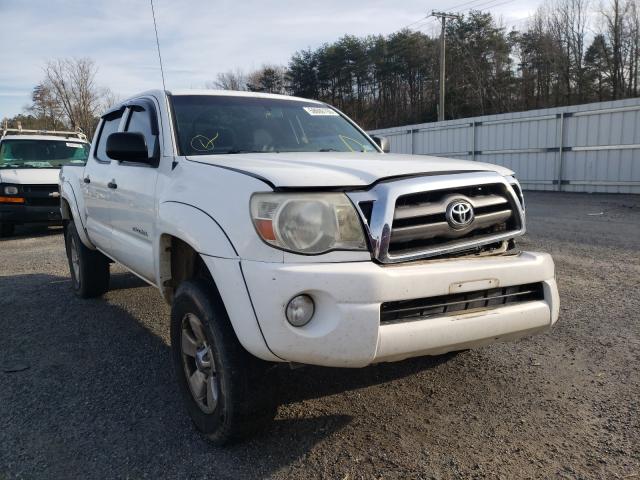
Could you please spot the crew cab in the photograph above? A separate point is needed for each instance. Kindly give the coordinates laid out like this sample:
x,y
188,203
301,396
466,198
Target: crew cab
x,y
30,162
280,232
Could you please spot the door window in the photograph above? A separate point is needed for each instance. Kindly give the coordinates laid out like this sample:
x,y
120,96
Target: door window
x,y
109,125
140,121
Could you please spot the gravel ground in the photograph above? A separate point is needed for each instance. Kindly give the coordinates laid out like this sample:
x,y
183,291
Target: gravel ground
x,y
86,387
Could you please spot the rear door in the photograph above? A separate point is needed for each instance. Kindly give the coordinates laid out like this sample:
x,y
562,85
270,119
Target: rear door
x,y
96,184
133,201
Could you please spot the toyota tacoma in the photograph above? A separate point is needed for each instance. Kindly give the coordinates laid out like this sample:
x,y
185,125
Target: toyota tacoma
x,y
279,231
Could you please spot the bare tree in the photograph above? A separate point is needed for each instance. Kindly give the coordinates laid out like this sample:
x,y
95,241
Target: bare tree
x,y
231,80
45,108
631,43
109,98
268,79
614,31
73,86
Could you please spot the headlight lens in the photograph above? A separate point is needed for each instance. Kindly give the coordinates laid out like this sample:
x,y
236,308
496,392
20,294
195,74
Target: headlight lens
x,y
10,190
310,223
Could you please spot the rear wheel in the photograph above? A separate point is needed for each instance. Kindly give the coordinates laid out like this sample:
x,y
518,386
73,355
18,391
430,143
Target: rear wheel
x,y
229,393
89,268
6,229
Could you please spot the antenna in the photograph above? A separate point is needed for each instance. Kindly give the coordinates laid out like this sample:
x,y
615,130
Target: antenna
x,y
155,26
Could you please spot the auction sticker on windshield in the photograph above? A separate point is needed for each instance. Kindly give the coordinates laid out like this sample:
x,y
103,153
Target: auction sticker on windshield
x,y
320,111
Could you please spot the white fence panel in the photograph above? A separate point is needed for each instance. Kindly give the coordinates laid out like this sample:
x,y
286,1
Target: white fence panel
x,y
581,148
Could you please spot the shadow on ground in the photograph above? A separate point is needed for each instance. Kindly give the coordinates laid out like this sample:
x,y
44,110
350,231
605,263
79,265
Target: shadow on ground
x,y
32,231
85,376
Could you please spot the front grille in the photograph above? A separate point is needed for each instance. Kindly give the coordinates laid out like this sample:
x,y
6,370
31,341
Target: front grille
x,y
420,222
41,195
418,217
457,303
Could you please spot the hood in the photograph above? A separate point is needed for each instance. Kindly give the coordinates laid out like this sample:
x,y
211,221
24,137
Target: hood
x,y
30,176
336,169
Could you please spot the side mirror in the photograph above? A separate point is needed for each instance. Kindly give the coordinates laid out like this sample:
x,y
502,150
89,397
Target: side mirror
x,y
383,143
128,147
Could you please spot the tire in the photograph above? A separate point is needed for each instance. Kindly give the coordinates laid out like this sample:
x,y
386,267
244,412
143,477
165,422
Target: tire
x,y
232,393
89,268
6,229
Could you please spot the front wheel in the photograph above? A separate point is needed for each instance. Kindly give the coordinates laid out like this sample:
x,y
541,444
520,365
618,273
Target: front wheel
x,y
89,268
229,393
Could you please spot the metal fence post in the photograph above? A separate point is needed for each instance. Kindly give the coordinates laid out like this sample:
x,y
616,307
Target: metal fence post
x,y
473,140
560,152
411,141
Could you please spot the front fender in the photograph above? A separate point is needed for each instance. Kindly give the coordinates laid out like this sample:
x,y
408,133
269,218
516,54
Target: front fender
x,y
195,227
203,233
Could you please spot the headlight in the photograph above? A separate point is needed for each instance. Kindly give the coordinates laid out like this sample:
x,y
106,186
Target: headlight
x,y
10,190
310,223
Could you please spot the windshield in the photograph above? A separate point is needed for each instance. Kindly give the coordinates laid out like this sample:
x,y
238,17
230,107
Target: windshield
x,y
23,153
209,125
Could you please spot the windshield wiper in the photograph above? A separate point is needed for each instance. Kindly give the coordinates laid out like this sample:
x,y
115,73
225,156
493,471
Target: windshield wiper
x,y
328,150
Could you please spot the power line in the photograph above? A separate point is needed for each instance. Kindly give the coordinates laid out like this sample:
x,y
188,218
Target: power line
x,y
413,23
485,5
424,23
466,3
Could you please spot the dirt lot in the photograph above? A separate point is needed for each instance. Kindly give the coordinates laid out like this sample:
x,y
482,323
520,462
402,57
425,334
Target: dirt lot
x,y
86,387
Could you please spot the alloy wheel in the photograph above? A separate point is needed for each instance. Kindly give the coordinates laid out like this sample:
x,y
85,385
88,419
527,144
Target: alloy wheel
x,y
198,363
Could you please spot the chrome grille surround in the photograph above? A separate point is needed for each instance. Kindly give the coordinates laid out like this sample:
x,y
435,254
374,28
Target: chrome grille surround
x,y
383,196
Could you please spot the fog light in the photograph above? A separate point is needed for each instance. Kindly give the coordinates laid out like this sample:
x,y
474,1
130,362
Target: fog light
x,y
300,310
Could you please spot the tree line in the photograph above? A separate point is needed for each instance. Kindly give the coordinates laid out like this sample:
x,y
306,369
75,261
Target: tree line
x,y
568,52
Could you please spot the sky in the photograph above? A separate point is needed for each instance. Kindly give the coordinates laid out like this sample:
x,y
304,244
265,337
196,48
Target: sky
x,y
198,38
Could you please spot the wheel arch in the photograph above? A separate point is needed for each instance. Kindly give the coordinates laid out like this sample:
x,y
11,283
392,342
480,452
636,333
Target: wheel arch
x,y
185,232
180,261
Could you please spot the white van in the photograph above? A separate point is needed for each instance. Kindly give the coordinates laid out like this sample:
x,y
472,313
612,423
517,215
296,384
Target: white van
x,y
30,162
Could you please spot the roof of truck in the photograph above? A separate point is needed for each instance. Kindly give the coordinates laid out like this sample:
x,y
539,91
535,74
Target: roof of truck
x,y
220,93
235,93
43,137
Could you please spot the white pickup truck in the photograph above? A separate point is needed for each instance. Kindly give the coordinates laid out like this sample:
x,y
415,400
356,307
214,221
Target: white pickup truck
x,y
279,231
30,162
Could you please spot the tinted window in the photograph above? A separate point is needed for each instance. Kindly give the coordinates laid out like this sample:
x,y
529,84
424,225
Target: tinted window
x,y
209,125
22,153
109,126
140,121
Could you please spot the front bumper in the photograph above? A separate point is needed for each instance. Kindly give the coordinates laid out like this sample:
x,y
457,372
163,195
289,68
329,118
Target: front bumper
x,y
19,214
346,331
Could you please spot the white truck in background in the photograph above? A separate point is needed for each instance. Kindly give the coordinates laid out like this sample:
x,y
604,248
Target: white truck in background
x,y
279,231
30,163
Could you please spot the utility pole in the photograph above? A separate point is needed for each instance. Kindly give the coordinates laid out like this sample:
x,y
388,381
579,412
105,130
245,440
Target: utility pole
x,y
443,16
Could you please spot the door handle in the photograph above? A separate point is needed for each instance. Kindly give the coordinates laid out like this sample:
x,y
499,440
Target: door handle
x,y
86,180
112,184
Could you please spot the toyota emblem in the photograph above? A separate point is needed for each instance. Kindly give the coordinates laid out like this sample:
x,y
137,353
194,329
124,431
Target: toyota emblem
x,y
459,214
